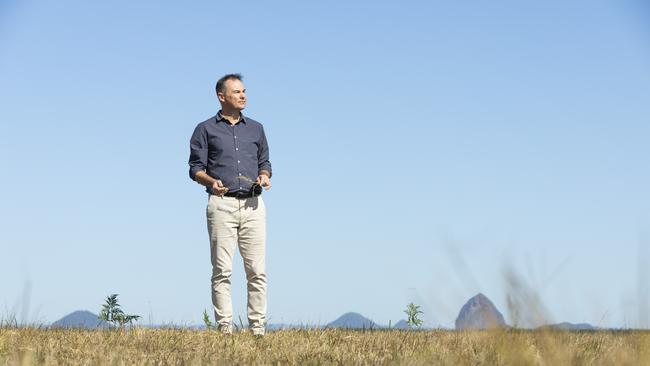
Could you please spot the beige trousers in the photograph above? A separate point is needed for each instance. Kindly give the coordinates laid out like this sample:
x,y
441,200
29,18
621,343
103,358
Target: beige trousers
x,y
232,223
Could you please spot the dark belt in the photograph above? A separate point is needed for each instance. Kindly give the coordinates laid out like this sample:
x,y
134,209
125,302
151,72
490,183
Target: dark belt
x,y
241,195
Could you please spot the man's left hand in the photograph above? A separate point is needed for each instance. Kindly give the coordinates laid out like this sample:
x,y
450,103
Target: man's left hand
x,y
264,181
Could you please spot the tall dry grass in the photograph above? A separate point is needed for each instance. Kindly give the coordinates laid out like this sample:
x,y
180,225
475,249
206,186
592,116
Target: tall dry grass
x,y
141,346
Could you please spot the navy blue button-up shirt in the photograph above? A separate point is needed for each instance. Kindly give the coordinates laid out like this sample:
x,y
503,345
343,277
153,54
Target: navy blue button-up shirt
x,y
234,154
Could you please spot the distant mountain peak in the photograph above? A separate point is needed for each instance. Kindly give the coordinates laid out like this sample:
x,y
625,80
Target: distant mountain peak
x,y
79,319
479,313
352,320
401,324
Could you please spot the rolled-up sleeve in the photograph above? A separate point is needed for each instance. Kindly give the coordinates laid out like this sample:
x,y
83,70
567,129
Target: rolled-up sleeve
x,y
263,162
198,151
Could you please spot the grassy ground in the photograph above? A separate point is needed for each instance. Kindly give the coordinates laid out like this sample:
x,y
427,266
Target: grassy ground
x,y
139,346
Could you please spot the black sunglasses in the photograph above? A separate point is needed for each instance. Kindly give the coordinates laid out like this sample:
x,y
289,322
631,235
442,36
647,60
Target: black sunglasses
x,y
256,189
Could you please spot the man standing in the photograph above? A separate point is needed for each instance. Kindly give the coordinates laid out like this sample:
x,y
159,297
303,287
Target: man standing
x,y
229,155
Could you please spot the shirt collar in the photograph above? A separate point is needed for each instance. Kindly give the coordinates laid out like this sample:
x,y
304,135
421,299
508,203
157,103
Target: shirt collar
x,y
220,117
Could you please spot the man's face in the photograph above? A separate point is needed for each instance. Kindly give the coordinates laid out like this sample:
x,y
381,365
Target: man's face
x,y
234,95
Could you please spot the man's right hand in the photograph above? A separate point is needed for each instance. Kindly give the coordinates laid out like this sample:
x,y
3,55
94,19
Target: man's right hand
x,y
218,188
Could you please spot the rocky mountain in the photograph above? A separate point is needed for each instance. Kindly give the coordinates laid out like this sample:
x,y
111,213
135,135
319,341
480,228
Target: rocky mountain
x,y
79,319
479,313
352,321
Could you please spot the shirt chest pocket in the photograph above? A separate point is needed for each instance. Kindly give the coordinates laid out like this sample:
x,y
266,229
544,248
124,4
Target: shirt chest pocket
x,y
249,143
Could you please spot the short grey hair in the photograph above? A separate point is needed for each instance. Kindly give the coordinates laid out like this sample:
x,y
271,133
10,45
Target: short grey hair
x,y
220,83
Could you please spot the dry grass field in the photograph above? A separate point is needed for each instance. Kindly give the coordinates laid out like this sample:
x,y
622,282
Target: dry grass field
x,y
141,346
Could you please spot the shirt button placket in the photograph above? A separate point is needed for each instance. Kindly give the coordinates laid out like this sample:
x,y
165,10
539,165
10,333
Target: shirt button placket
x,y
234,133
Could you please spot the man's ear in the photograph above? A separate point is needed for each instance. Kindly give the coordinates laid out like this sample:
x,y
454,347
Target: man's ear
x,y
221,97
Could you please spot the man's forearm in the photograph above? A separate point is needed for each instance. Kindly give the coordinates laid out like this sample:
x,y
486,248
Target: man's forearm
x,y
203,178
265,172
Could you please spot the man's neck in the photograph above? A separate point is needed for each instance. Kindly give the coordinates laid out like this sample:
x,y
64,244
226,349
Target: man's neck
x,y
232,116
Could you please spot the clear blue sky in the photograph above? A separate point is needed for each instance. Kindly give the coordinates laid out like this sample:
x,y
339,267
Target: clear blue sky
x,y
421,151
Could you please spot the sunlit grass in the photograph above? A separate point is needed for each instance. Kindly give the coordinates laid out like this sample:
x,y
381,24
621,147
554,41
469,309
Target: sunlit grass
x,y
26,346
